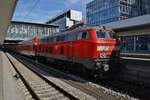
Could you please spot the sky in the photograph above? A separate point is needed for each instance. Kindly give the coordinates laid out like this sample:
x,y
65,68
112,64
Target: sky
x,y
40,11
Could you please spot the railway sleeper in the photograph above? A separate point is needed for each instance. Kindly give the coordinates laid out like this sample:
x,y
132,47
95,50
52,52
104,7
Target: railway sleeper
x,y
42,88
58,97
49,94
39,84
38,87
44,91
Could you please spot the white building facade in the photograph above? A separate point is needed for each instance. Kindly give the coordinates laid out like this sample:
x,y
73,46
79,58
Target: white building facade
x,y
66,19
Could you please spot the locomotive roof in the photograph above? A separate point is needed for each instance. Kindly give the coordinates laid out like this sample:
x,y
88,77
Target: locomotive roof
x,y
85,28
78,29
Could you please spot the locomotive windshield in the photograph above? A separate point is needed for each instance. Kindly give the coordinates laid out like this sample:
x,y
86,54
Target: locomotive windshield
x,y
101,34
114,35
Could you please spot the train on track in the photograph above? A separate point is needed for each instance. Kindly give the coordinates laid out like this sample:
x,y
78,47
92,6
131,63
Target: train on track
x,y
90,50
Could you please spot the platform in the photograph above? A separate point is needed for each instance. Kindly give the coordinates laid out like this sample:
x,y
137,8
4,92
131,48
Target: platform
x,y
1,77
136,55
7,81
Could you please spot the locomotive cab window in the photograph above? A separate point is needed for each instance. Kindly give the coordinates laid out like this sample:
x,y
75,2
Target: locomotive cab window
x,y
101,34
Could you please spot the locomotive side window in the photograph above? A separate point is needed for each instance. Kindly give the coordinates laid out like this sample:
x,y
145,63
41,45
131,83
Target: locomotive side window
x,y
70,37
50,39
58,38
53,39
61,38
79,36
66,37
75,36
83,35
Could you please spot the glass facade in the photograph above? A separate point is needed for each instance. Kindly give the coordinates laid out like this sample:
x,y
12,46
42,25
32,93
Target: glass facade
x,y
23,30
105,11
102,11
137,43
145,7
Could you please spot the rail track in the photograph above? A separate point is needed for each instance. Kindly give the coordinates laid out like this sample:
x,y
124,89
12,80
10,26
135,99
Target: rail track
x,y
100,93
39,87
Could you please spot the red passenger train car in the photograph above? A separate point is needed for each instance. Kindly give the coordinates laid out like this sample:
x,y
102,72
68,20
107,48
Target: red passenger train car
x,y
89,50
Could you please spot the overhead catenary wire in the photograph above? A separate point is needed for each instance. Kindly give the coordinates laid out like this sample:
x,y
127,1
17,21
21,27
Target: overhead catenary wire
x,y
23,7
32,8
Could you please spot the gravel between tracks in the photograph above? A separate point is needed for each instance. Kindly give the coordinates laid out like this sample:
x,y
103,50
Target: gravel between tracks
x,y
105,90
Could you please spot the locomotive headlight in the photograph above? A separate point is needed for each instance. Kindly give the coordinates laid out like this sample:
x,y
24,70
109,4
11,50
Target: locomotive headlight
x,y
105,67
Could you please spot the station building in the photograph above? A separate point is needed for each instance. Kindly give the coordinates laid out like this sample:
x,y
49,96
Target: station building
x,y
134,34
106,11
19,31
66,19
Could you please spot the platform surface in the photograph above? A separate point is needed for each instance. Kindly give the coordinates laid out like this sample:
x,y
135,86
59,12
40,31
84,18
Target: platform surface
x,y
7,82
1,77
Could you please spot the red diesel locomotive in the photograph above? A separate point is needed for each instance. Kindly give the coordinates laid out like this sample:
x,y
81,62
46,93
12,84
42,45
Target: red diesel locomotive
x,y
92,50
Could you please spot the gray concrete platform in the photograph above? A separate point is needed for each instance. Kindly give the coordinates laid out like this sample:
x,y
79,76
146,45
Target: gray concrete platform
x,y
1,77
7,81
136,55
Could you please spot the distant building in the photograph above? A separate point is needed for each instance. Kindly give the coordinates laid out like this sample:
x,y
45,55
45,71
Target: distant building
x,y
105,11
27,30
66,19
